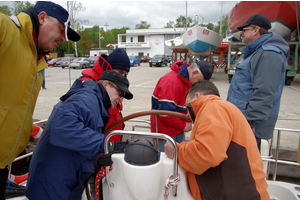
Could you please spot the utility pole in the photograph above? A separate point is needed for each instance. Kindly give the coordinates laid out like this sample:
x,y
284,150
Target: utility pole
x,y
221,18
186,15
99,37
106,25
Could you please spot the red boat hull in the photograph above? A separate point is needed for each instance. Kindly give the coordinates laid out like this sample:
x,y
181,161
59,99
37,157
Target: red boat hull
x,y
283,12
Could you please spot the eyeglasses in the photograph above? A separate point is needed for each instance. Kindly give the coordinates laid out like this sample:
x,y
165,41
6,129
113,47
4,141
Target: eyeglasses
x,y
66,27
121,93
250,28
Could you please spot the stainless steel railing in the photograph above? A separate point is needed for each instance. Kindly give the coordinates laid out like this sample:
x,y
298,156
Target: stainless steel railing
x,y
273,158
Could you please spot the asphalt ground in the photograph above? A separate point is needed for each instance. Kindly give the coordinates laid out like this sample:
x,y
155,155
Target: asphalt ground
x,y
142,83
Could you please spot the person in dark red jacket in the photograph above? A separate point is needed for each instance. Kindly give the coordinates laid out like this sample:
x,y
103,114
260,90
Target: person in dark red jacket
x,y
169,94
116,61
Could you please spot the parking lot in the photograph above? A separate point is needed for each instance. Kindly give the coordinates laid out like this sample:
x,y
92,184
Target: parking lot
x,y
142,82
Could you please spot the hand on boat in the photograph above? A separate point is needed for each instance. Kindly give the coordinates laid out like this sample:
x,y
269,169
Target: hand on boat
x,y
169,151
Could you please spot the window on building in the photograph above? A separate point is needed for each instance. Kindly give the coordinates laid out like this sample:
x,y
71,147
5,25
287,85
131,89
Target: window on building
x,y
131,39
141,38
123,38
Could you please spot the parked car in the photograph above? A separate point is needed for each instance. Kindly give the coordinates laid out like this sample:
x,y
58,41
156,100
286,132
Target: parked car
x,y
145,58
134,60
92,60
65,62
53,61
169,57
158,60
80,63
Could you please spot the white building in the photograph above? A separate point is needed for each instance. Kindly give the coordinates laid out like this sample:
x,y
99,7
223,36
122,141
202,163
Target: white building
x,y
148,42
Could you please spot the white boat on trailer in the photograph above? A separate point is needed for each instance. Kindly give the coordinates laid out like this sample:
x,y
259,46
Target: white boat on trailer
x,y
200,39
132,179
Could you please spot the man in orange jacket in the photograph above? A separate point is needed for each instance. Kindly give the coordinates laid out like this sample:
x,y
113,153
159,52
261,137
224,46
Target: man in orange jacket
x,y
221,159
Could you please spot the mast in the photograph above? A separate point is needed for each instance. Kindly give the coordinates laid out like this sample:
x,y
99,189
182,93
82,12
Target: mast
x,y
186,15
221,19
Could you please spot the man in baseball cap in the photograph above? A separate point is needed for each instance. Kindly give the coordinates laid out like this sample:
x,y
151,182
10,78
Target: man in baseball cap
x,y
61,14
169,94
25,41
257,84
74,136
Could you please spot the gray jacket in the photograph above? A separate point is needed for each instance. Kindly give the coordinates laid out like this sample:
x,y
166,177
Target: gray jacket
x,y
257,84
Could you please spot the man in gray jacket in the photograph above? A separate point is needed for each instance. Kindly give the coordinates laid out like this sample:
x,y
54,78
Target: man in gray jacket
x,y
257,84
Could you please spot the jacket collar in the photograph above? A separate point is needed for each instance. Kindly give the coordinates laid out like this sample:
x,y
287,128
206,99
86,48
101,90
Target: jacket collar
x,y
256,44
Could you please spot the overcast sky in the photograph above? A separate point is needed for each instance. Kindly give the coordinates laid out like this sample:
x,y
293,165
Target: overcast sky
x,y
117,14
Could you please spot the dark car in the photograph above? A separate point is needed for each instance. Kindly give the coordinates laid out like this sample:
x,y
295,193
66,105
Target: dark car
x,y
53,61
158,60
92,60
134,60
65,62
145,58
169,57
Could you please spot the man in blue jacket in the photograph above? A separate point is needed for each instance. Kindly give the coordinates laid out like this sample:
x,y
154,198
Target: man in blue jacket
x,y
62,161
257,84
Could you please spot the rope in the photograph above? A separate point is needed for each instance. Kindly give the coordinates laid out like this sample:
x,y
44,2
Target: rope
x,y
99,176
14,190
100,165
170,182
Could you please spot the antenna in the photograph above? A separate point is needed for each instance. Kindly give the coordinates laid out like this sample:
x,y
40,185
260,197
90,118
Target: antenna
x,y
106,25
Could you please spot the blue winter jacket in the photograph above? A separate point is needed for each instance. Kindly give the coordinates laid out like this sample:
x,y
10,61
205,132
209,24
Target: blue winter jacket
x,y
63,159
257,84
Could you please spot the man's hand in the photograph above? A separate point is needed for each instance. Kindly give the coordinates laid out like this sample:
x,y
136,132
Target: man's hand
x,y
188,127
169,151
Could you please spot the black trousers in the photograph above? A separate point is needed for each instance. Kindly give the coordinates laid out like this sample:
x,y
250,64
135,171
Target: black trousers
x,y
3,182
258,141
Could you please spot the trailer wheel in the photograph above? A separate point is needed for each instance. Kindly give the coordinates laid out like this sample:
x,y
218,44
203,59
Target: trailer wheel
x,y
288,80
229,78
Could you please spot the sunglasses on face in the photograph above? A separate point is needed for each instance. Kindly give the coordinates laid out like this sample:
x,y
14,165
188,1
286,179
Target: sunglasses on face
x,y
121,93
191,112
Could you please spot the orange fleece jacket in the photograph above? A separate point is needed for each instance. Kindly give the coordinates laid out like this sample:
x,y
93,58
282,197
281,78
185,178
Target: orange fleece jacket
x,y
222,157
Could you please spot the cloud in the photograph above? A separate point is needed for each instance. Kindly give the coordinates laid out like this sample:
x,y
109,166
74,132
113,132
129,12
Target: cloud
x,y
118,14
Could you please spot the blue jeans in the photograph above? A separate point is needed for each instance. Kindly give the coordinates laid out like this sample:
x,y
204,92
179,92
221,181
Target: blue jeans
x,y
43,75
178,138
92,187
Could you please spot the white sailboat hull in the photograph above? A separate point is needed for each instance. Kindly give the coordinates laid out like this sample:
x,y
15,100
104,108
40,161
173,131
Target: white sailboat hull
x,y
200,39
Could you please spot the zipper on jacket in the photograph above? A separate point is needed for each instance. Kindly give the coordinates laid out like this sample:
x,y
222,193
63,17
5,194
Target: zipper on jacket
x,y
28,105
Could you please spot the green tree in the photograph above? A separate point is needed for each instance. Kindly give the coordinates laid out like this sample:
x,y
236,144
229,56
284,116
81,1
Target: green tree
x,y
19,6
6,10
210,26
142,25
181,21
170,24
73,8
224,26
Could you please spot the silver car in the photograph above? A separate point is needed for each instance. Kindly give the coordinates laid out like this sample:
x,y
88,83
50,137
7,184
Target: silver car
x,y
65,61
80,63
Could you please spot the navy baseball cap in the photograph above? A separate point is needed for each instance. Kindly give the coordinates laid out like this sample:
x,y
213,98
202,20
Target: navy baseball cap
x,y
61,14
121,81
205,68
258,20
